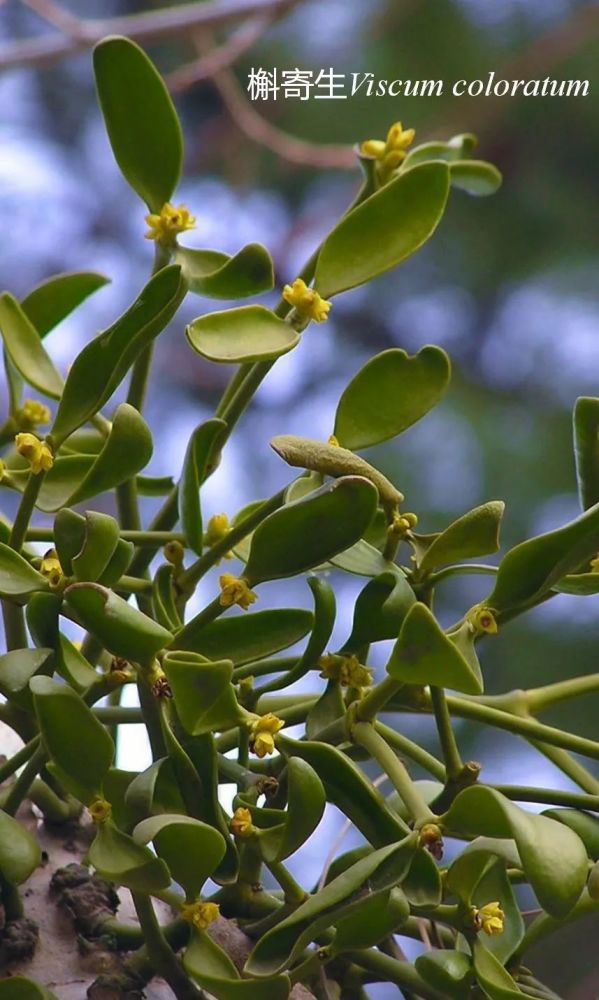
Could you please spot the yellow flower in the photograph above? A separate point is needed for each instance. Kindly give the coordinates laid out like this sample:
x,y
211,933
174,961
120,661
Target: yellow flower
x,y
482,619
201,915
391,153
402,523
346,669
490,918
241,824
235,590
164,227
50,568
263,732
333,441
37,452
99,810
33,412
217,528
431,838
307,301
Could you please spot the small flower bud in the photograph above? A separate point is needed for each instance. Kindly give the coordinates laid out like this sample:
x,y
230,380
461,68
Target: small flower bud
x,y
31,414
307,301
431,838
99,810
346,669
216,529
37,452
482,619
235,590
50,568
262,733
201,915
173,553
241,823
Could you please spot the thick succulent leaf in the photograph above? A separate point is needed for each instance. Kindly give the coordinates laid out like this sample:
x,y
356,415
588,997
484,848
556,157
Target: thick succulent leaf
x,y
459,147
378,917
19,851
475,533
25,349
219,276
141,121
578,584
495,981
18,667
120,627
540,841
306,800
425,654
390,393
202,751
384,230
243,639
43,621
206,962
154,791
583,823
475,177
422,884
203,444
101,540
118,858
341,898
364,559
69,728
380,610
529,570
326,710
17,578
586,449
349,789
103,363
202,691
307,532
450,972
191,849
21,988
479,877
247,333
54,299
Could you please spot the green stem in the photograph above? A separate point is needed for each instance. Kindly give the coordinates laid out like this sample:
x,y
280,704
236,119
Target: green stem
x,y
458,569
20,757
544,924
389,970
18,791
552,796
163,958
14,626
133,585
295,895
376,699
366,736
186,775
11,900
576,771
451,754
25,510
541,698
117,715
410,749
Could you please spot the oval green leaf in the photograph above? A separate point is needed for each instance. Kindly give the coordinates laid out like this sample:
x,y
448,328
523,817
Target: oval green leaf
x,y
586,449
191,849
17,578
247,638
202,691
54,299
475,533
117,857
247,333
220,276
120,627
203,444
19,851
476,177
25,349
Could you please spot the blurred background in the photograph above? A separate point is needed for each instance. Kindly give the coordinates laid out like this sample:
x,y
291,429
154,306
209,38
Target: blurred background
x,y
508,286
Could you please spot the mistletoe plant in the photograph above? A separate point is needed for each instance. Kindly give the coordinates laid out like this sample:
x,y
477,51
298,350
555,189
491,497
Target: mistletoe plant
x,y
211,685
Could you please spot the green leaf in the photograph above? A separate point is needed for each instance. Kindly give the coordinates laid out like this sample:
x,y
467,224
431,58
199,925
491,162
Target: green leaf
x,y
20,988
120,627
586,449
25,349
191,849
459,147
479,877
101,540
104,362
17,578
583,823
154,791
206,962
340,898
141,121
219,276
203,444
117,857
364,560
16,670
202,691
448,971
247,333
378,917
422,884
384,230
307,532
390,393
579,584
529,570
19,850
77,743
306,800
475,533
69,537
326,710
476,177
349,790
51,301
424,654
243,639
202,751
164,605
553,857
43,618
380,610
495,981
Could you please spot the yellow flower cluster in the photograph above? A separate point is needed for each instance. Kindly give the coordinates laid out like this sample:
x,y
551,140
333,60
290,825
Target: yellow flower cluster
x,y
200,915
346,669
262,734
166,225
391,152
99,810
32,413
37,453
482,619
490,918
50,568
241,823
307,301
402,523
235,590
